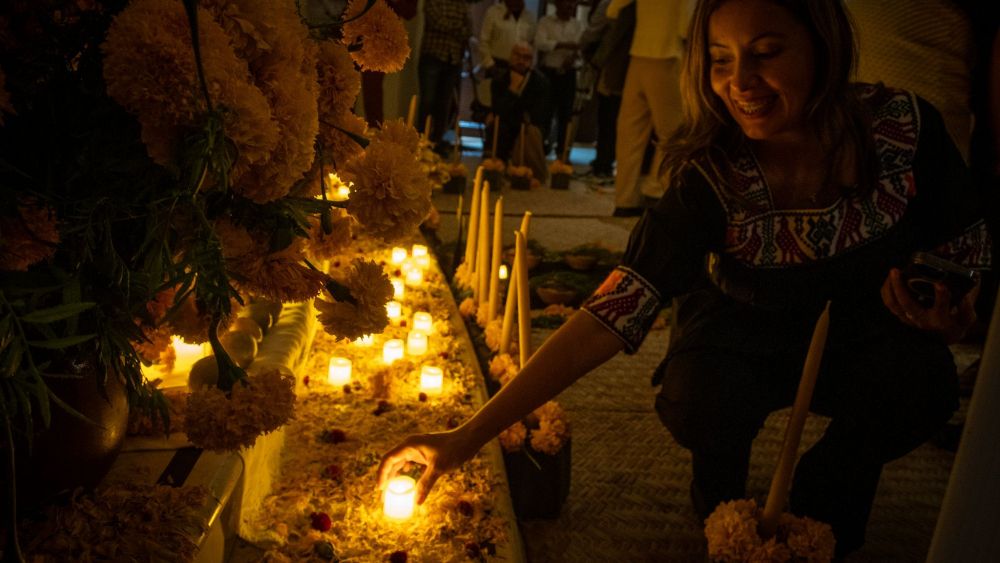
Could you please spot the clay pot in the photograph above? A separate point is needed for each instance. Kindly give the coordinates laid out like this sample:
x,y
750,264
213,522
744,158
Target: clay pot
x,y
73,453
581,262
556,295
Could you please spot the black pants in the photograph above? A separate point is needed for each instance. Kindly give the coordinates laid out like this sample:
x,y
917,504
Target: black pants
x,y
885,396
607,125
438,83
562,89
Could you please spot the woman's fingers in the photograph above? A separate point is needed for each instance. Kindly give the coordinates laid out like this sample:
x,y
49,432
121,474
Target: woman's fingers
x,y
394,461
426,483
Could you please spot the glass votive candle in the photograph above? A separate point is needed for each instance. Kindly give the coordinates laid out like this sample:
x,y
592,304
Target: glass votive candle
x,y
423,322
414,277
392,351
366,340
503,272
394,309
431,380
400,498
418,250
339,372
423,261
416,343
398,288
398,255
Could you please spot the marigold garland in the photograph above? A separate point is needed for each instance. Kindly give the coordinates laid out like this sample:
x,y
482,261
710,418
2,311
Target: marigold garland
x,y
327,246
339,80
256,406
384,42
397,131
28,237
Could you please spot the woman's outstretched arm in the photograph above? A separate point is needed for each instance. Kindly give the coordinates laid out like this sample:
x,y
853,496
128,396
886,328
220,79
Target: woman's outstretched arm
x,y
580,345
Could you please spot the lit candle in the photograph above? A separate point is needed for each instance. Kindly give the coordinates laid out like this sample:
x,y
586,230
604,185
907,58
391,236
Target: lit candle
x,y
392,351
365,341
398,288
414,277
343,193
339,372
423,262
394,309
186,355
411,115
503,272
416,343
470,240
423,322
431,380
418,250
398,255
400,498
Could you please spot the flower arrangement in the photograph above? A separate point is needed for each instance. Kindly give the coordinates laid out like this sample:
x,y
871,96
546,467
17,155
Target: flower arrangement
x,y
514,170
732,536
559,167
546,431
493,164
165,162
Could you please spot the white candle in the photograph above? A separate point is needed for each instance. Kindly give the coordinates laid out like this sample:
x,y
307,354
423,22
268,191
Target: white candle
x,y
423,262
365,341
394,309
503,271
423,321
400,498
398,288
493,297
523,299
398,255
471,236
414,277
418,250
392,351
186,355
431,380
483,253
416,343
340,371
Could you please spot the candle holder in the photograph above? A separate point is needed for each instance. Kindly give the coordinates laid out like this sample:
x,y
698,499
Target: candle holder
x,y
414,277
394,309
339,372
416,343
431,380
398,288
398,255
418,250
423,322
423,261
392,351
400,498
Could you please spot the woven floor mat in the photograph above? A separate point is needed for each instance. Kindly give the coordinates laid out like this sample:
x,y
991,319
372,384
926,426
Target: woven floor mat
x,y
629,493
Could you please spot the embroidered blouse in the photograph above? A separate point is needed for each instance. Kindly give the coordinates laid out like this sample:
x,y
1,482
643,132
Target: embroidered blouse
x,y
717,225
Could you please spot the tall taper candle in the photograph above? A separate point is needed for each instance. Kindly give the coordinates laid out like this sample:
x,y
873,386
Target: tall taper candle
x,y
525,223
495,259
483,259
428,123
470,240
782,480
523,300
508,310
496,131
411,116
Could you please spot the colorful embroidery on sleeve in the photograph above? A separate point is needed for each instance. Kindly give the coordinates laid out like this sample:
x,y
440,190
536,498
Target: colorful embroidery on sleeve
x,y
971,249
626,304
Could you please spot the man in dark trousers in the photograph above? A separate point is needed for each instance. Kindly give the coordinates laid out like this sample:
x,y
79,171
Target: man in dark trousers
x,y
520,94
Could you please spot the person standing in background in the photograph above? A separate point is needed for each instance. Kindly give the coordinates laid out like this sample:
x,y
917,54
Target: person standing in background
x,y
558,42
504,24
605,45
651,97
446,36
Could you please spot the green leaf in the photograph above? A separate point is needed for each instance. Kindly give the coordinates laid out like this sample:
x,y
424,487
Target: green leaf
x,y
60,343
58,313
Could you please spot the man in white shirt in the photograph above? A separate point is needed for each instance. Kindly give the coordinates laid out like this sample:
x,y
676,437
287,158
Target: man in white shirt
x,y
504,24
558,42
651,98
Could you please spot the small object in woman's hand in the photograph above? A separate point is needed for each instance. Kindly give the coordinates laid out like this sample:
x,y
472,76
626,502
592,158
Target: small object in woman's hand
x,y
925,270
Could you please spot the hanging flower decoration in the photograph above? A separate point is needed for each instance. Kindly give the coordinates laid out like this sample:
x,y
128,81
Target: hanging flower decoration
x,y
339,80
383,42
397,131
369,289
257,406
334,240
27,237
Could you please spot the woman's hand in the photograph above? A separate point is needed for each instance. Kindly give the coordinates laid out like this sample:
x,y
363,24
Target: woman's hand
x,y
950,322
439,453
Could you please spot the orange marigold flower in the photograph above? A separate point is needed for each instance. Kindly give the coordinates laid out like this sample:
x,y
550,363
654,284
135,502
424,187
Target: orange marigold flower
x,y
512,439
339,80
370,288
340,147
278,276
382,35
731,531
255,407
391,196
149,70
328,246
397,131
28,237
